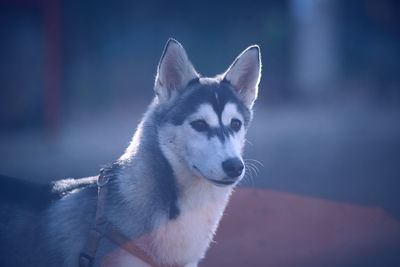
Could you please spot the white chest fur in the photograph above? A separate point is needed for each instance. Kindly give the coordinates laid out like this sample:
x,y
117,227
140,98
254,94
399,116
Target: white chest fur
x,y
185,239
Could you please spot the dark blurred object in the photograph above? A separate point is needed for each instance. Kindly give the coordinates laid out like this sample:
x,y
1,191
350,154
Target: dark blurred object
x,y
370,49
21,73
30,71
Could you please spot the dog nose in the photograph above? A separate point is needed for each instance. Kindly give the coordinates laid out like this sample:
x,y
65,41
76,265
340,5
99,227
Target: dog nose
x,y
233,167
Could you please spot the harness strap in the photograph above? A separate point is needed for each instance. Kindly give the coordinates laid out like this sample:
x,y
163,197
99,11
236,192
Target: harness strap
x,y
86,257
104,228
124,242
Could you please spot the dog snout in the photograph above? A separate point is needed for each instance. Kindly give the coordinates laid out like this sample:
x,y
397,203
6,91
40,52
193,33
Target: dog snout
x,y
233,167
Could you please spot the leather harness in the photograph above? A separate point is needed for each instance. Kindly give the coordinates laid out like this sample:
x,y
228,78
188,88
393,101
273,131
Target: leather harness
x,y
104,228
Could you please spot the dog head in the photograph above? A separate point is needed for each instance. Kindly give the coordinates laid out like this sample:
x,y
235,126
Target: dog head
x,y
203,121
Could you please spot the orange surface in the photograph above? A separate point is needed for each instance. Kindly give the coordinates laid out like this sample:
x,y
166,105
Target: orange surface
x,y
269,228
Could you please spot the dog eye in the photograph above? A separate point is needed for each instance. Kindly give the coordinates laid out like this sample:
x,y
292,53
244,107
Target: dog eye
x,y
236,124
199,125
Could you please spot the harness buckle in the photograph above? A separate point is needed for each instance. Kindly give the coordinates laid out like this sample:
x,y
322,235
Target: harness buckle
x,y
85,260
102,180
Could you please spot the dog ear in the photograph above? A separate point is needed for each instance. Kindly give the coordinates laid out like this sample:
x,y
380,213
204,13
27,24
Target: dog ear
x,y
174,71
244,74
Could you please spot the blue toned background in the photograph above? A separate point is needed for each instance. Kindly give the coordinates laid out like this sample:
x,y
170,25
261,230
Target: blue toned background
x,y
76,76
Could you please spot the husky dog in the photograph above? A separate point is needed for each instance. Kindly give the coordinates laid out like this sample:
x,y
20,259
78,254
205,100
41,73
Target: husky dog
x,y
167,192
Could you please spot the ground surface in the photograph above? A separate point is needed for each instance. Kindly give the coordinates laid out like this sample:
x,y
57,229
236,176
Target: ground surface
x,y
271,228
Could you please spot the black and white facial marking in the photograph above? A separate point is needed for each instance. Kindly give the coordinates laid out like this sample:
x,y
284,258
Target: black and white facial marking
x,y
204,120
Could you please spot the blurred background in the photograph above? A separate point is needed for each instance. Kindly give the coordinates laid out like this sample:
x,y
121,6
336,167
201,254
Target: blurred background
x,y
76,76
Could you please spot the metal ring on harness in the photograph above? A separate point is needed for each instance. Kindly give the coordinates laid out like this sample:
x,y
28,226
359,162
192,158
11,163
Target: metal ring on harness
x,y
102,180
